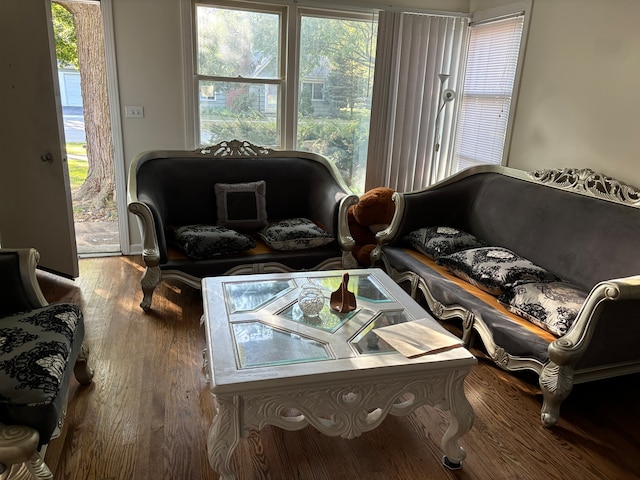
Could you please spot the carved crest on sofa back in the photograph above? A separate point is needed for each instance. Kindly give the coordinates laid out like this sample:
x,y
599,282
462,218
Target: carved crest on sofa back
x,y
586,181
234,148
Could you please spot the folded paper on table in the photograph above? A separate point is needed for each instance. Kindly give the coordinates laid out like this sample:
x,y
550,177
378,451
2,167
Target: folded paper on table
x,y
413,339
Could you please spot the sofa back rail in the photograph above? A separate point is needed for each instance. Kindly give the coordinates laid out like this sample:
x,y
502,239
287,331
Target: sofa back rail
x,y
583,240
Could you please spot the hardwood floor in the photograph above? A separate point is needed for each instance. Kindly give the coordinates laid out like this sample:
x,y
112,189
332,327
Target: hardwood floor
x,y
148,411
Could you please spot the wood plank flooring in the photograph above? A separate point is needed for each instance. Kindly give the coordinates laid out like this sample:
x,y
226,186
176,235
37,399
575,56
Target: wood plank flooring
x,y
147,414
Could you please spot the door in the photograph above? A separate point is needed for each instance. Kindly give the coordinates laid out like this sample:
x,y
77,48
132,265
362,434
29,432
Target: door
x,y
35,196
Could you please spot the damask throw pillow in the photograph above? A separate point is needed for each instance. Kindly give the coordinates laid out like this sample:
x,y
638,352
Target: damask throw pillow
x,y
494,269
437,241
295,234
552,306
206,241
241,205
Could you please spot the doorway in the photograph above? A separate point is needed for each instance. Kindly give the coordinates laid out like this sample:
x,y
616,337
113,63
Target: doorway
x,y
80,52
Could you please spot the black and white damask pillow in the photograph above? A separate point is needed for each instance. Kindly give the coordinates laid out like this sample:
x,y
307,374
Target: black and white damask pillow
x,y
494,269
206,241
437,241
35,347
295,234
552,306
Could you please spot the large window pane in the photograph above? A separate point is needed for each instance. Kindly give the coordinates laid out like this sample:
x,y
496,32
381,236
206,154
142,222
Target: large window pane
x,y
235,43
238,55
235,110
335,84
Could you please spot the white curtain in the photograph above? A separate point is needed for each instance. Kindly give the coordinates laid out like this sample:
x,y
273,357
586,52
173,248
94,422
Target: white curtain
x,y
413,50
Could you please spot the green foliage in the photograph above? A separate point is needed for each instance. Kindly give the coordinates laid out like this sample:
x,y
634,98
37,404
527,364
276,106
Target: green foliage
x,y
65,36
256,129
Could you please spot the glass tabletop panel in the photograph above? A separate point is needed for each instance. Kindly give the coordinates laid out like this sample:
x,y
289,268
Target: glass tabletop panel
x,y
250,296
328,319
260,345
366,342
363,286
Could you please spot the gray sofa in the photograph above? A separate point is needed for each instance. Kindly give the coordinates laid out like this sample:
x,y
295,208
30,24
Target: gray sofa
x,y
580,227
169,190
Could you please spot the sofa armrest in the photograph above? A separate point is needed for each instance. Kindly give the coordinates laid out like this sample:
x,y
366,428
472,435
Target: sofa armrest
x,y
345,239
610,310
18,444
19,287
150,249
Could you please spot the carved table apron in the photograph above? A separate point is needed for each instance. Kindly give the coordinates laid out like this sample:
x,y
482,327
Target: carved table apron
x,y
269,365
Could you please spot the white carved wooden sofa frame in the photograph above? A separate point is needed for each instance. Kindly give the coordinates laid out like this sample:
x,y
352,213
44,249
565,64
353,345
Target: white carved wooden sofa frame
x,y
580,225
172,188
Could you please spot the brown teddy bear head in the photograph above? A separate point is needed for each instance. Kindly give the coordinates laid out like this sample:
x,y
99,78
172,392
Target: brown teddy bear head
x,y
375,208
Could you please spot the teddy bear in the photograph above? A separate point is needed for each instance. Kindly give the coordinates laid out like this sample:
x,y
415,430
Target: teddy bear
x,y
372,213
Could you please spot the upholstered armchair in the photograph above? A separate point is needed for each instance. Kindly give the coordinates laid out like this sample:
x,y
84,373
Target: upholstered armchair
x,y
41,345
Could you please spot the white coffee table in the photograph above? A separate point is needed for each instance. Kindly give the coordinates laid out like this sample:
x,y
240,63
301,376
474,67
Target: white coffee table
x,y
268,364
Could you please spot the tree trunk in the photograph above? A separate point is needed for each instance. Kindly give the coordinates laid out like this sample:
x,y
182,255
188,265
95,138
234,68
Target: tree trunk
x,y
99,187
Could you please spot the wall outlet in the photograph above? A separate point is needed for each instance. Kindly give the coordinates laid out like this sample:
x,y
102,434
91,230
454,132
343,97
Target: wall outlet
x,y
132,111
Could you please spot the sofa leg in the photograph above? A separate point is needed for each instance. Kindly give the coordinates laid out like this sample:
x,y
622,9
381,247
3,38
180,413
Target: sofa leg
x,y
81,370
38,468
556,383
150,280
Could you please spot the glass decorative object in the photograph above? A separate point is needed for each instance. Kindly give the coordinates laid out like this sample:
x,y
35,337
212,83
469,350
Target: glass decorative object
x,y
311,300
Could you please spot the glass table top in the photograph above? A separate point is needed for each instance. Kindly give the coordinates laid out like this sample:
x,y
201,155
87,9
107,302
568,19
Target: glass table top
x,y
269,328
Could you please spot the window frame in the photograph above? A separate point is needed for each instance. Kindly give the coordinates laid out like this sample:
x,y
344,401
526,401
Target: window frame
x,y
289,80
489,15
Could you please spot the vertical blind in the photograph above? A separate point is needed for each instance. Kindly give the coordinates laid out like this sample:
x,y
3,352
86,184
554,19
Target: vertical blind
x,y
492,59
412,51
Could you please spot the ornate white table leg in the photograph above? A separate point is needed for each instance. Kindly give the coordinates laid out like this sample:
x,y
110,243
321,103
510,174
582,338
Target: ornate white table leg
x,y
462,417
224,435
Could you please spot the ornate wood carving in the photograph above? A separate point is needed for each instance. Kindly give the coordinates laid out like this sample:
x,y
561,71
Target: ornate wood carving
x,y
234,148
586,181
556,383
346,410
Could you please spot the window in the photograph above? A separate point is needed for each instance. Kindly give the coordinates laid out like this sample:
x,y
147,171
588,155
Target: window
x,y
483,123
239,60
314,91
251,88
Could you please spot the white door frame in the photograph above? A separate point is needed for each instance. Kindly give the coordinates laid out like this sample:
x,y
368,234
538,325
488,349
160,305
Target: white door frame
x,y
116,125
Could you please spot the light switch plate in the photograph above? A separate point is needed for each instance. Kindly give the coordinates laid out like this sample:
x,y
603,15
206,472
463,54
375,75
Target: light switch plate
x,y
133,111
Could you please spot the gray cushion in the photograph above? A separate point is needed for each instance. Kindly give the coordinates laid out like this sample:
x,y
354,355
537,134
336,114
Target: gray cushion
x,y
206,241
494,269
437,241
241,205
295,234
552,306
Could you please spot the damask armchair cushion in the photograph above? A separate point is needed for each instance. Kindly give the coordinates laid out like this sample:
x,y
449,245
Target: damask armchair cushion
x,y
35,348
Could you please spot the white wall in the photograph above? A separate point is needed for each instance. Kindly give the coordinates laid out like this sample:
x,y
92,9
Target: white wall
x,y
578,104
149,62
